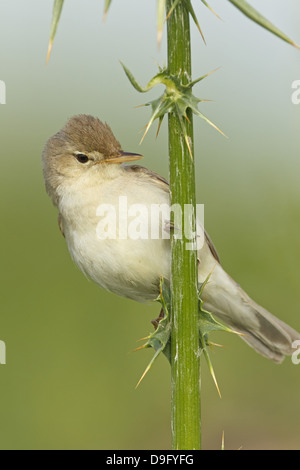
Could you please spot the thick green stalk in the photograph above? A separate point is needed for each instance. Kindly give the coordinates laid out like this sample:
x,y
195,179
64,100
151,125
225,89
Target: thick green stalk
x,y
185,362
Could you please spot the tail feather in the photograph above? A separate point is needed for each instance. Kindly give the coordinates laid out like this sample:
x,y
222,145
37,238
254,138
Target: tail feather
x,y
265,333
273,338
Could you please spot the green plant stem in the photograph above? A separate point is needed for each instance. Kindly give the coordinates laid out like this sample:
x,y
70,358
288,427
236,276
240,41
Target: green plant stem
x,y
185,361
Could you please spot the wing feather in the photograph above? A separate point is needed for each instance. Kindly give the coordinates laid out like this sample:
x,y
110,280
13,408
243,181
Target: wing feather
x,y
154,178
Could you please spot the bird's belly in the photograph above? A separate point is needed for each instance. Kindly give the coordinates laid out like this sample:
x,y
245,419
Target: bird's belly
x,y
130,268
120,244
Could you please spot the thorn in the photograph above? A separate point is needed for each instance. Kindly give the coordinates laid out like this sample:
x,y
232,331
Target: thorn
x,y
239,333
216,344
158,127
200,31
214,12
139,348
145,127
49,51
106,8
216,384
146,131
140,106
219,130
187,118
188,146
169,14
157,64
143,375
159,37
194,82
206,280
223,442
143,339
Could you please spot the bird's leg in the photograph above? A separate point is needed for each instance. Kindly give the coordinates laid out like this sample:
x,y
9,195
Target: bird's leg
x,y
158,319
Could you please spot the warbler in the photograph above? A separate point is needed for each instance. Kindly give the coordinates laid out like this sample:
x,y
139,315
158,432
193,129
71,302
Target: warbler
x,y
86,178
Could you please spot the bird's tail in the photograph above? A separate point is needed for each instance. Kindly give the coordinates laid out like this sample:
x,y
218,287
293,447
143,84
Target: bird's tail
x,y
268,335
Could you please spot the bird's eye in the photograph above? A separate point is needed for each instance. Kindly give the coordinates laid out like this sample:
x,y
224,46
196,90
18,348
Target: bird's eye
x,y
82,158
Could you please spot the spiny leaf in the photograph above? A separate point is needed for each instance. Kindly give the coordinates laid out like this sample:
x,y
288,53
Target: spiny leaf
x,y
177,99
106,7
57,8
255,16
160,107
160,339
161,78
133,81
207,324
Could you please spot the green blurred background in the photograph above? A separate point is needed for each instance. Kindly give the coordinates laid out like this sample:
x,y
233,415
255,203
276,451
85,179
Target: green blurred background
x,y
70,377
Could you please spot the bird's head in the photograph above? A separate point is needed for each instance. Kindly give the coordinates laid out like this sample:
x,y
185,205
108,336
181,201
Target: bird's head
x,y
83,145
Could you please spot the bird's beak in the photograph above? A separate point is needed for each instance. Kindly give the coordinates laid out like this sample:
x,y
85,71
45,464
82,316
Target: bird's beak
x,y
123,157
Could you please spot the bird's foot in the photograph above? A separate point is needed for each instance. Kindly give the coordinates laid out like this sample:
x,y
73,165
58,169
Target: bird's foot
x,y
155,322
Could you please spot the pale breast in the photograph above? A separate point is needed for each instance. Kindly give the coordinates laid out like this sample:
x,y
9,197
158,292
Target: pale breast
x,y
118,235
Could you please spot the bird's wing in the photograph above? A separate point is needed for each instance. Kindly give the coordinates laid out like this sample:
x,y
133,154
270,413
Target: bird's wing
x,y
60,225
152,177
164,185
211,247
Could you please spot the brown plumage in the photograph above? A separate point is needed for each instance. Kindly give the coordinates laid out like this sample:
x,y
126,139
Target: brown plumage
x,y
89,134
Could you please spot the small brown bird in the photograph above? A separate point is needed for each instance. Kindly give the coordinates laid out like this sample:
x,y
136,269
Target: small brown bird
x,y
104,214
